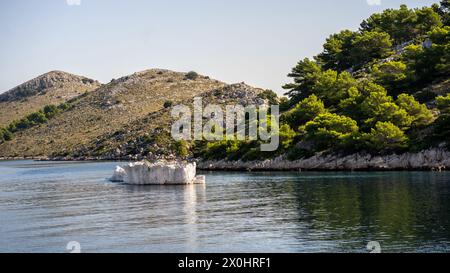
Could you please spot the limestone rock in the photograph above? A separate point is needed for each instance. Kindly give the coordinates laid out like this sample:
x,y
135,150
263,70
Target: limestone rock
x,y
159,173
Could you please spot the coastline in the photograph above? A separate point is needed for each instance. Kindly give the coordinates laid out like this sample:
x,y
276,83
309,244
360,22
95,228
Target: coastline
x,y
434,159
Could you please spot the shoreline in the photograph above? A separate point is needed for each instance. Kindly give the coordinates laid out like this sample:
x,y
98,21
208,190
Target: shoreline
x,y
435,159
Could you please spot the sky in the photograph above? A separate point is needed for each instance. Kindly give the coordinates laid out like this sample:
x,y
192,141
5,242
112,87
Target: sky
x,y
251,41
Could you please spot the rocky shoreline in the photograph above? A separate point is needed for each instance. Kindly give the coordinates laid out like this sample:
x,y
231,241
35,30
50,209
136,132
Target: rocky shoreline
x,y
434,159
437,159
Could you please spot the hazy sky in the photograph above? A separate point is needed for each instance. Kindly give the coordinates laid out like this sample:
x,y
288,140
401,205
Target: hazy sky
x,y
256,41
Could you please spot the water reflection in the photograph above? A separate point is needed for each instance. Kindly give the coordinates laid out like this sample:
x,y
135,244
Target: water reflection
x,y
44,206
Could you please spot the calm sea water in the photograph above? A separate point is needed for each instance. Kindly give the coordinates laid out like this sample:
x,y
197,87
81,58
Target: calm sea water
x,y
43,206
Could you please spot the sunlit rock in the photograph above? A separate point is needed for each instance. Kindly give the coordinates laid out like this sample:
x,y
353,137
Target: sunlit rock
x,y
118,175
159,173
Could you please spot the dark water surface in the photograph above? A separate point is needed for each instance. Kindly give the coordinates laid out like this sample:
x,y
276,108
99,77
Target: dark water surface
x,y
43,206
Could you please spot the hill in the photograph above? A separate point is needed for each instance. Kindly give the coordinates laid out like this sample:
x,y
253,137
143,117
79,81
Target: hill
x,y
54,87
108,109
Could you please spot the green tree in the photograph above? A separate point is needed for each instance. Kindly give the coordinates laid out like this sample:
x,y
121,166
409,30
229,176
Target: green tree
x,y
391,75
427,19
433,62
336,54
443,104
330,131
332,86
370,45
378,106
304,75
403,24
386,137
350,105
440,51
305,111
444,12
287,136
419,112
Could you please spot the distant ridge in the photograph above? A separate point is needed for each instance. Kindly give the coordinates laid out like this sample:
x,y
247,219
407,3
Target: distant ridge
x,y
41,84
54,87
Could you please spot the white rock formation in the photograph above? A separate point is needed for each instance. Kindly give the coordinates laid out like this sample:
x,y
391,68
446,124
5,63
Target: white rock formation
x,y
158,173
118,175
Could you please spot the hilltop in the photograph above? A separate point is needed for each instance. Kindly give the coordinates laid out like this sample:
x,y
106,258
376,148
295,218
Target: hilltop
x,y
119,104
54,87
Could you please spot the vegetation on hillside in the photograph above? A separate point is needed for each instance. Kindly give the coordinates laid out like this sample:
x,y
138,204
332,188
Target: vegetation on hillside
x,y
361,93
40,117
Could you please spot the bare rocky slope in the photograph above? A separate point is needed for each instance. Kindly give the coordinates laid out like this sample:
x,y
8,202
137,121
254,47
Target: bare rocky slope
x,y
54,87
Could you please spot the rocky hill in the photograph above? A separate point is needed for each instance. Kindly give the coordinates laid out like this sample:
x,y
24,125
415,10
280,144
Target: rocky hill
x,y
127,102
51,88
149,137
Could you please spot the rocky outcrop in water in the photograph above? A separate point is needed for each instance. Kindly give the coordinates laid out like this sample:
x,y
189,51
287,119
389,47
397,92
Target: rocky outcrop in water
x,y
431,159
158,173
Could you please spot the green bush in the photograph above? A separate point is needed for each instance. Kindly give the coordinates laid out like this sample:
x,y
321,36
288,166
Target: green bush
x,y
50,111
270,96
5,135
443,103
181,148
168,104
386,137
37,118
192,75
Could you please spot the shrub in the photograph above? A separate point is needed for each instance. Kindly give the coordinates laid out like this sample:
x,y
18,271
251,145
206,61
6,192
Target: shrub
x,y
270,96
181,148
5,135
192,75
64,106
37,118
50,111
168,104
